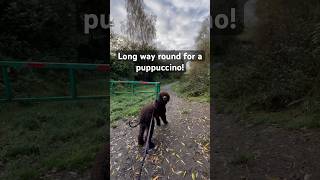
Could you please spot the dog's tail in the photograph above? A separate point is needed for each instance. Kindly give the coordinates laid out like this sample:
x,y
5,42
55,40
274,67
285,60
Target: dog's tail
x,y
133,126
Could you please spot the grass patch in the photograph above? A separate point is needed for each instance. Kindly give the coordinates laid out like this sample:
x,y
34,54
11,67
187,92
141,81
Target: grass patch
x,y
129,105
61,135
38,137
177,87
291,118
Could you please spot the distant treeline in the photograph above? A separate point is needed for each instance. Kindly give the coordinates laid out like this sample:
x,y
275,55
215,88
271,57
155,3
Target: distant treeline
x,y
51,30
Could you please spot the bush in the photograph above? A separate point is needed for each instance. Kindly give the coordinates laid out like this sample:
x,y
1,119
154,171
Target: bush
x,y
279,66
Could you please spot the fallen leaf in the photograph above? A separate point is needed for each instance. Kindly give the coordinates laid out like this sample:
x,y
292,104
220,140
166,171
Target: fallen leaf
x,y
199,162
172,170
193,176
167,160
155,178
179,172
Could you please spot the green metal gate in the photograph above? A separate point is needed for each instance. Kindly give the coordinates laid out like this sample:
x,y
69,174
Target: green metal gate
x,y
71,67
133,89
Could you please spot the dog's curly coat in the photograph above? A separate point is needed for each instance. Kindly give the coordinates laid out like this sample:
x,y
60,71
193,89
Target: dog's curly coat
x,y
157,110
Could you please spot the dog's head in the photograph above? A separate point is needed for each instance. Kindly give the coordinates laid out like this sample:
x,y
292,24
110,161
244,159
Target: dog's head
x,y
164,97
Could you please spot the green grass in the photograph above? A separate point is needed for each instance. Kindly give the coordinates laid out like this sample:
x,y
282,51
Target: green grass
x,y
176,87
51,135
297,117
290,119
38,137
125,106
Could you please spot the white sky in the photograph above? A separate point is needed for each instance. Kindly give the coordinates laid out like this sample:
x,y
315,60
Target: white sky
x,y
178,21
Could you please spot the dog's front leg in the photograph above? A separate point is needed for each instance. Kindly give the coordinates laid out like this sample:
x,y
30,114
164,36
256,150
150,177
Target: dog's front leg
x,y
164,118
158,120
141,133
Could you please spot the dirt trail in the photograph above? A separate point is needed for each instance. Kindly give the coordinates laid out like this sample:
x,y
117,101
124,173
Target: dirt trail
x,y
182,146
263,152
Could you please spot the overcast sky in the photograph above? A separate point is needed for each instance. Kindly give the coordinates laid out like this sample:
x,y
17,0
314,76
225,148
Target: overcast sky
x,y
178,21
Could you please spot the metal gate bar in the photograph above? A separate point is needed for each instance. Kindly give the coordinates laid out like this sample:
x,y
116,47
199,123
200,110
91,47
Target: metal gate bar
x,y
71,67
133,87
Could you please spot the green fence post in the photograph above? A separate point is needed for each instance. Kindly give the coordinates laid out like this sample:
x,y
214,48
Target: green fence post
x,y
73,88
8,95
132,86
111,88
157,89
6,80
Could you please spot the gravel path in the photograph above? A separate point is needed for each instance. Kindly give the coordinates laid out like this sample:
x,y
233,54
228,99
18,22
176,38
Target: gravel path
x,y
182,146
263,152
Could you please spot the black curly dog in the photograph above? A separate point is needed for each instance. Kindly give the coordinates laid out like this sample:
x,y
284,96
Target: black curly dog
x,y
158,108
155,110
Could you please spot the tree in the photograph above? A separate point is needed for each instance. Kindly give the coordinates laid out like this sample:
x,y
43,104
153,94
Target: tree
x,y
198,78
140,26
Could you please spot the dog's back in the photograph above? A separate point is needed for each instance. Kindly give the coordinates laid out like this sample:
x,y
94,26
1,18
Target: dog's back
x,y
146,114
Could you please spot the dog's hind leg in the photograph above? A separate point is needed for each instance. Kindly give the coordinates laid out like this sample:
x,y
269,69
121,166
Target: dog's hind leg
x,y
141,134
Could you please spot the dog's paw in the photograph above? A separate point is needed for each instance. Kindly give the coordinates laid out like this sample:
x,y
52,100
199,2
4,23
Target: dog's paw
x,y
140,143
151,145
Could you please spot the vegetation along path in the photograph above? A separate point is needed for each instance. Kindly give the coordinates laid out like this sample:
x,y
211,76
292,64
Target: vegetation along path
x,y
182,146
247,151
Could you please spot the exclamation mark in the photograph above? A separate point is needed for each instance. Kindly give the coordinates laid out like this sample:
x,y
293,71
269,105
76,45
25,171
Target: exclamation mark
x,y
233,18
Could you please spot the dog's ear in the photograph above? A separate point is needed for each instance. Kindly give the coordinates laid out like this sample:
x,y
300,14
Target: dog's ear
x,y
168,97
